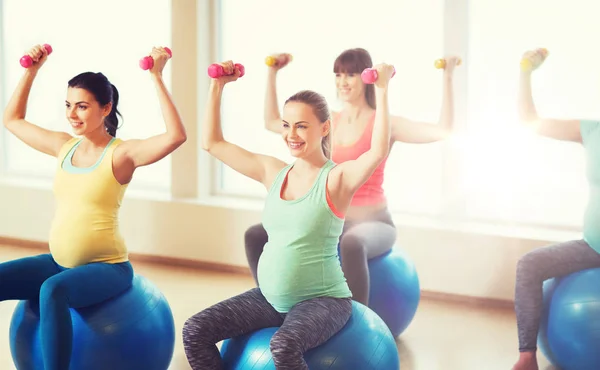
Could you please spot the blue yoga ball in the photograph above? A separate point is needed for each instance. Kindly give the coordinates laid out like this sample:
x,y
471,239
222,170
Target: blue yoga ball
x,y
134,330
395,291
364,342
569,333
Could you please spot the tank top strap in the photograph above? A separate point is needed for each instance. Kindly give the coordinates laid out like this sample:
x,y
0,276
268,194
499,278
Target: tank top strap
x,y
278,181
66,149
106,162
321,188
107,156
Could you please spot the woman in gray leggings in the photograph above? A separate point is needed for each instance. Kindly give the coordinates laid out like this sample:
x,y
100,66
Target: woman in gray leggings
x,y
564,258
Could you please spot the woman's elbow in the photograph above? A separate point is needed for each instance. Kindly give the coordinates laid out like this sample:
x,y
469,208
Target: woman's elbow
x,y
526,115
181,139
178,139
8,119
208,145
445,133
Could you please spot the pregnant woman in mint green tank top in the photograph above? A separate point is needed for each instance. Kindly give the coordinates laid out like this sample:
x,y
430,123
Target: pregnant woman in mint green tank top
x,y
302,287
563,258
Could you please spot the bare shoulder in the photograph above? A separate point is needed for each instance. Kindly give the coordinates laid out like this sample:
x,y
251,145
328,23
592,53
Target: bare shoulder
x,y
274,164
272,168
122,150
126,146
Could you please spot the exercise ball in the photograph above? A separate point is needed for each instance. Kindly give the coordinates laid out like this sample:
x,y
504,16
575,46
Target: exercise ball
x,y
364,342
569,334
395,291
134,330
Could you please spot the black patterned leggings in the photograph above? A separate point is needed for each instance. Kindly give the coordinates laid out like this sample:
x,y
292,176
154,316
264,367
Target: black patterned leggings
x,y
307,325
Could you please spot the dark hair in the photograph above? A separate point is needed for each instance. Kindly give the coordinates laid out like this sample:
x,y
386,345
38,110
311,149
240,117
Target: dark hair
x,y
320,109
355,61
104,92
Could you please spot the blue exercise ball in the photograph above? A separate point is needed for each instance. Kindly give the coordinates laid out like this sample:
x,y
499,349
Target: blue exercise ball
x,y
134,330
395,291
364,342
569,334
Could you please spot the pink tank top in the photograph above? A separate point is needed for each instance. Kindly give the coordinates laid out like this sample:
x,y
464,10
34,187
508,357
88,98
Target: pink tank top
x,y
372,191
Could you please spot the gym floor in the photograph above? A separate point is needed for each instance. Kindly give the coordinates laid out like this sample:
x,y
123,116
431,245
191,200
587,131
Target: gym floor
x,y
443,335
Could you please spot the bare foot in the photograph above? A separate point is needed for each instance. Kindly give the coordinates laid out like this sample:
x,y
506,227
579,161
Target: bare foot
x,y
527,361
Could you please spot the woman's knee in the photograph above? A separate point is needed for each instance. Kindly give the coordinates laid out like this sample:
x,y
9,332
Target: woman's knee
x,y
193,327
284,346
53,289
354,245
255,235
198,328
528,265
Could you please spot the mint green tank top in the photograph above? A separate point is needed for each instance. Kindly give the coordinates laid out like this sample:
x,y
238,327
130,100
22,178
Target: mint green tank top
x,y
300,260
590,133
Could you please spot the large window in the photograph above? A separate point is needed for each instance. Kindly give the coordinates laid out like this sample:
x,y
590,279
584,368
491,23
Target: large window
x,y
405,33
514,176
109,37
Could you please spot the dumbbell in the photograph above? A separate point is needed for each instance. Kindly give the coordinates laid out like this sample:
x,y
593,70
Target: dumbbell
x,y
26,60
441,63
526,63
273,60
147,62
216,70
369,75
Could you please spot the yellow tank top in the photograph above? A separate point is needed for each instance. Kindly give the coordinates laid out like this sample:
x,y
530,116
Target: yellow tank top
x,y
85,228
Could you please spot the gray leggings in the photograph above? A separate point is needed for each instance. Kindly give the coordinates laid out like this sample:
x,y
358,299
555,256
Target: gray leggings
x,y
539,265
359,242
307,325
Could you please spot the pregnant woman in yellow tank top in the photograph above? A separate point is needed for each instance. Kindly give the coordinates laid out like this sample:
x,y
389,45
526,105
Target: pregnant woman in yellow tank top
x,y
88,260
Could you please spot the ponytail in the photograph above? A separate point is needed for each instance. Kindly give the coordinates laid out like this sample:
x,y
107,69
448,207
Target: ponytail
x,y
326,145
111,122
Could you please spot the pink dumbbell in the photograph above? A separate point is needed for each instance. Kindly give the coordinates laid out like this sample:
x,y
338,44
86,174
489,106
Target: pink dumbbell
x,y
216,70
26,60
369,75
147,62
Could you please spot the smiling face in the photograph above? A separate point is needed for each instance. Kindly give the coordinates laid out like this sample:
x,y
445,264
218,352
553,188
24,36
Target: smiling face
x,y
349,86
303,131
348,67
84,112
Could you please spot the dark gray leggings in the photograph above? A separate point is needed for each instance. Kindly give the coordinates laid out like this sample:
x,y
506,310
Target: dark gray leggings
x,y
535,267
359,242
307,325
